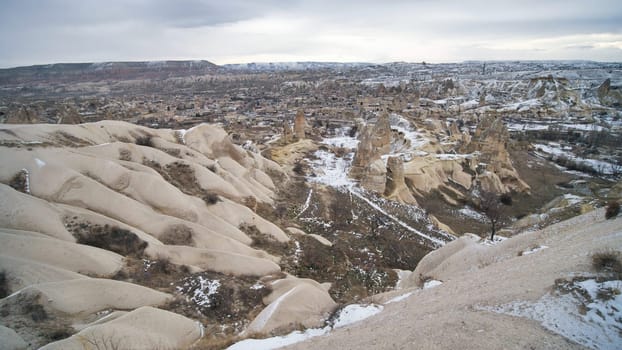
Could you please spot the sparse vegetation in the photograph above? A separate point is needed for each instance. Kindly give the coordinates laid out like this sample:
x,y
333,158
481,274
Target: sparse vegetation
x,y
491,205
211,198
4,285
116,239
178,235
613,209
20,181
36,311
145,140
608,261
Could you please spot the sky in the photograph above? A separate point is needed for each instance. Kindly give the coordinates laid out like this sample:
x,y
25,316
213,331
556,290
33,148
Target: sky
x,y
236,31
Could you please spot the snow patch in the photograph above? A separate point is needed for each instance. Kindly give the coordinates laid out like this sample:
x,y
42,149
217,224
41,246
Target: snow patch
x,y
431,284
307,202
347,316
471,213
534,250
598,327
399,298
355,313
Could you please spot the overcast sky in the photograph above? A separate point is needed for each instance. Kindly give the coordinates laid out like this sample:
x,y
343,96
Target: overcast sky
x,y
236,31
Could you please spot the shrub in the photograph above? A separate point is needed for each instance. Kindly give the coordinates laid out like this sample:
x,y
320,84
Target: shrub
x,y
111,238
613,209
211,198
145,141
607,261
299,169
20,181
4,285
506,199
36,311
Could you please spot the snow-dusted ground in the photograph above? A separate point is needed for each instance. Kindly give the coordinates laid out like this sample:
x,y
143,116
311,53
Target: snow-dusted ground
x,y
431,284
557,150
471,213
414,138
333,171
534,250
199,289
594,322
436,242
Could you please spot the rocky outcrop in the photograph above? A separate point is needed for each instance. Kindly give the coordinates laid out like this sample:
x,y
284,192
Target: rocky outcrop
x,y
293,302
381,135
490,140
299,125
609,95
367,166
23,115
395,187
288,134
68,115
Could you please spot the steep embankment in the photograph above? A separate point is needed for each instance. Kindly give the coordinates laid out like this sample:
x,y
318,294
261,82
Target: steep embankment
x,y
546,278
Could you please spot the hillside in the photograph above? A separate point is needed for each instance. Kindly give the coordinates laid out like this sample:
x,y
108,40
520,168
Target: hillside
x,y
82,72
536,290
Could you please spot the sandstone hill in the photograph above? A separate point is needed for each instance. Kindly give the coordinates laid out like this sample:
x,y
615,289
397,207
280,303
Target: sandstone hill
x,y
99,222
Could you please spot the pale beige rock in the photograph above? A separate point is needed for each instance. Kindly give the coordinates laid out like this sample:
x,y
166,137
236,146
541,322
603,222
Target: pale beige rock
x,y
451,256
222,261
293,302
288,133
395,187
11,340
22,273
238,215
23,212
143,328
319,238
85,296
299,125
66,255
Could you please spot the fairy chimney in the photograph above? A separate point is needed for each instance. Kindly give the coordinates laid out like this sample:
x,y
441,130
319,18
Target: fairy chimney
x,y
299,125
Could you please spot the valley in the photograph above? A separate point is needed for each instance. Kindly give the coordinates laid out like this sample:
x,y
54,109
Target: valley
x,y
181,204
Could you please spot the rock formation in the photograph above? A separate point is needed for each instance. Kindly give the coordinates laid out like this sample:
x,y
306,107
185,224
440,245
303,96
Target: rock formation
x,y
299,125
381,135
396,188
609,95
23,115
287,133
367,167
68,115
491,141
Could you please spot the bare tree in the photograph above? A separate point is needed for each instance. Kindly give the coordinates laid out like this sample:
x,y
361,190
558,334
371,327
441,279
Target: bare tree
x,y
490,204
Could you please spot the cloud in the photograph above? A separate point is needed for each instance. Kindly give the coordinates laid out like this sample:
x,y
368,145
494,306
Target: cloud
x,y
366,30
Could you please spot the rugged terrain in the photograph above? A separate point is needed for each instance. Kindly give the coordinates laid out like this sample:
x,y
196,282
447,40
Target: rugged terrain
x,y
253,200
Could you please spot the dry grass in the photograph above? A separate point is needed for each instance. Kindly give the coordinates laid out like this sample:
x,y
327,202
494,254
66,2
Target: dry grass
x,y
4,285
107,237
613,209
608,261
20,181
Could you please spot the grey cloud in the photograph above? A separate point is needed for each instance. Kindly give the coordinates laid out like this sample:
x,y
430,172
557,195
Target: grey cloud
x,y
39,31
